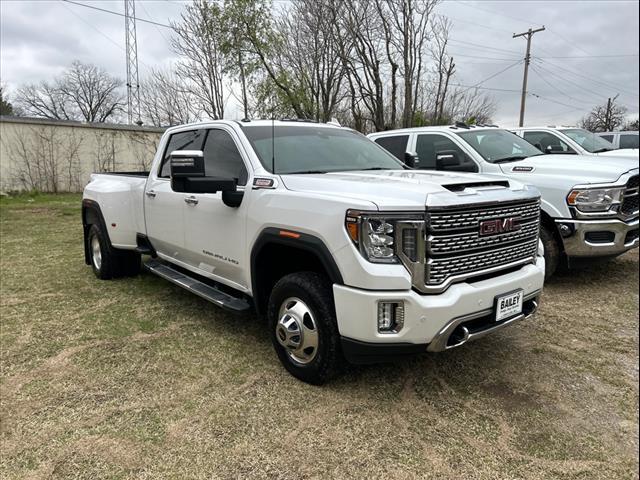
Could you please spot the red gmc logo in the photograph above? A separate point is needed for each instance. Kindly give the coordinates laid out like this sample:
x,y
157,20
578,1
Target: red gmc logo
x,y
499,225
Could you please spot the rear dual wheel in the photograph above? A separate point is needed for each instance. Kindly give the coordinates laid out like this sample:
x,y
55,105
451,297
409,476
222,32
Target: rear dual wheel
x,y
108,262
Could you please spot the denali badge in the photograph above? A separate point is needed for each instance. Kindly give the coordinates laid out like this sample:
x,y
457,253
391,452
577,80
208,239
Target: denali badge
x,y
499,225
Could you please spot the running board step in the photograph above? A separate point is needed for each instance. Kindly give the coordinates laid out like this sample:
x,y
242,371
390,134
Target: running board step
x,y
201,289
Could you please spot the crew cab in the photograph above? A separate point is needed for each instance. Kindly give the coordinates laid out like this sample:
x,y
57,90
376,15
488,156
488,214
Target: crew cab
x,y
589,203
348,253
571,140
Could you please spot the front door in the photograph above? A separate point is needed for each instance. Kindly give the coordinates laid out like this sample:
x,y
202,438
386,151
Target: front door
x,y
214,232
164,208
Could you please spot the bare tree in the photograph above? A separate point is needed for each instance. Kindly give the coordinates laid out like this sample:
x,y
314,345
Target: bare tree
x,y
605,118
83,92
444,66
198,41
166,100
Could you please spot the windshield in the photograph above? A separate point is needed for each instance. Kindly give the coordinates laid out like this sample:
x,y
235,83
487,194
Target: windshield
x,y
317,149
498,146
587,140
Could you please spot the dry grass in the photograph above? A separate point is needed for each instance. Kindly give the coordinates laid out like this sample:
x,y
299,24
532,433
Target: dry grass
x,y
137,379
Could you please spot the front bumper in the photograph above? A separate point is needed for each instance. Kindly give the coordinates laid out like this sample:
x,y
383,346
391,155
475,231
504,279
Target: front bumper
x,y
597,238
431,322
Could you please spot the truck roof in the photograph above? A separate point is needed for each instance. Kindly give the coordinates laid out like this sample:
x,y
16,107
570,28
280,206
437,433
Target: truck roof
x,y
439,128
258,123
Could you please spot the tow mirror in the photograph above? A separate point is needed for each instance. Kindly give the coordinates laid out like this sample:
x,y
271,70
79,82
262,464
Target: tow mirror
x,y
188,176
411,160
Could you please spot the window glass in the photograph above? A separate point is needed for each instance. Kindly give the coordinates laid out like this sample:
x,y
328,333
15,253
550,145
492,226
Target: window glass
x,y
608,138
222,158
499,145
396,145
628,141
587,140
317,148
544,140
191,140
428,146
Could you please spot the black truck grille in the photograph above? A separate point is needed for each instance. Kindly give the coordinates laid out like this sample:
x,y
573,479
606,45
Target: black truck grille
x,y
630,199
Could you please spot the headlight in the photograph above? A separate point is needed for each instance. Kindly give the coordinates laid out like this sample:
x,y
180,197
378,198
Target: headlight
x,y
374,234
595,199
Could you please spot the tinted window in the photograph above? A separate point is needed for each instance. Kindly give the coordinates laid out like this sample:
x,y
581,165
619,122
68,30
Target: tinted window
x,y
397,146
191,140
544,140
305,149
222,158
499,145
587,140
628,141
608,138
429,146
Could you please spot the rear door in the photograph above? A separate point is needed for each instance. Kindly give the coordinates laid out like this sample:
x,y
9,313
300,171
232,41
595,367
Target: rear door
x,y
164,208
215,234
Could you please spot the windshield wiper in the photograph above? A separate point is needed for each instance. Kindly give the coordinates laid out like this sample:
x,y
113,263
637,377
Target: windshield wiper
x,y
304,172
601,150
510,159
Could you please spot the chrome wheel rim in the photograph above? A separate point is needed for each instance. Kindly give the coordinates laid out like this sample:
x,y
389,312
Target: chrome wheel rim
x,y
297,330
96,252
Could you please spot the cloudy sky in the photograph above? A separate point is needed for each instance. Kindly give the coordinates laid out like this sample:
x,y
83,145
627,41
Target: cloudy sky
x,y
588,52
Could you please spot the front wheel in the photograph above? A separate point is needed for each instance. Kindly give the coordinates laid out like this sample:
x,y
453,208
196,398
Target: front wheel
x,y
552,251
304,332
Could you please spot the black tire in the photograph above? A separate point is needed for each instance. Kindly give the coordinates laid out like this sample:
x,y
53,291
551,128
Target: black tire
x,y
112,263
315,291
552,251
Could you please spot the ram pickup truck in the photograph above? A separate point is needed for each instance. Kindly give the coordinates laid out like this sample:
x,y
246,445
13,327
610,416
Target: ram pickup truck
x,y
589,203
571,141
346,252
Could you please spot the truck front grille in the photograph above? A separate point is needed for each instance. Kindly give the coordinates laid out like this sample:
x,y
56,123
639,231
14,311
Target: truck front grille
x,y
630,200
464,243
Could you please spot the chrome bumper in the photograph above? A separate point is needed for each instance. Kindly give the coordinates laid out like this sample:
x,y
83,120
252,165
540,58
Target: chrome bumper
x,y
576,244
460,330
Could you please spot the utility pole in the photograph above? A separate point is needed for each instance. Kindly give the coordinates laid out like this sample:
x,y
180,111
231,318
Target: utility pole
x,y
527,59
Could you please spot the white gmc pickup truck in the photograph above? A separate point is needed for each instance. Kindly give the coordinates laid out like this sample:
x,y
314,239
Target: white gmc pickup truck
x,y
589,203
346,252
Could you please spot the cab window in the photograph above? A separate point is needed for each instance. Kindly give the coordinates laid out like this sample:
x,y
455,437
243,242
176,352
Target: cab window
x,y
396,145
547,142
222,158
430,146
189,140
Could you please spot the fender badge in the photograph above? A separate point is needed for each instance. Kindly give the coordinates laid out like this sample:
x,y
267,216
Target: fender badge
x,y
522,169
261,182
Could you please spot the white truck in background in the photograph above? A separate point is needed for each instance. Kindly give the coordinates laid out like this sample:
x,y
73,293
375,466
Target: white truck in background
x,y
347,253
589,203
572,141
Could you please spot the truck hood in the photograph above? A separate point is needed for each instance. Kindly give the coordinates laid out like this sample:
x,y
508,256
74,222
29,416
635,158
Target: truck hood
x,y
389,189
575,168
621,152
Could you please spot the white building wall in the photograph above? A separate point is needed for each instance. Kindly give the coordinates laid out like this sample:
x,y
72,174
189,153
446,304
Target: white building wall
x,y
58,156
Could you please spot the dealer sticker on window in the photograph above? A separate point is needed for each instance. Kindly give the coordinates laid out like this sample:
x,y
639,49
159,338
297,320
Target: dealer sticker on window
x,y
509,305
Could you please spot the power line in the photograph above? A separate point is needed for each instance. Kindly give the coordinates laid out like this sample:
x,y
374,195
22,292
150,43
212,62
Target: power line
x,y
591,78
535,95
468,87
116,13
598,56
541,76
479,45
151,17
498,73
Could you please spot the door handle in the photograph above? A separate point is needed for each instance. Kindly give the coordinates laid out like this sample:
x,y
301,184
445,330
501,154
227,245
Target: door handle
x,y
150,194
191,200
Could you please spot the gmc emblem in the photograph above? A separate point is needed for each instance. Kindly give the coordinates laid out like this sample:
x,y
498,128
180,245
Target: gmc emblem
x,y
499,225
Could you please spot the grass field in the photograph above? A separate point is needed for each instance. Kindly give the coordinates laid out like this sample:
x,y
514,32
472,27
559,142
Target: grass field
x,y
136,378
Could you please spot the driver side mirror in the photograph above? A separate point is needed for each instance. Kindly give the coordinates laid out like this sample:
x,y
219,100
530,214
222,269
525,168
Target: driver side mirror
x,y
554,149
411,159
450,160
188,176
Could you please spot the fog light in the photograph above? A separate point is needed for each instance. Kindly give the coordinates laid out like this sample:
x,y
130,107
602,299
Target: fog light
x,y
390,317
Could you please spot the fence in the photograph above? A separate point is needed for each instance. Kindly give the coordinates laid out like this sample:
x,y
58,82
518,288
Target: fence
x,y
58,156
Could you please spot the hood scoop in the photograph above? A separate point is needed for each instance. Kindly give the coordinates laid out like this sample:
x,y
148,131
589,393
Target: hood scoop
x,y
460,187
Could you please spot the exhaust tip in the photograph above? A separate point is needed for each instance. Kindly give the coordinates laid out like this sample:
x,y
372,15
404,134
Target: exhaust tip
x,y
458,337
